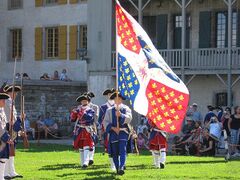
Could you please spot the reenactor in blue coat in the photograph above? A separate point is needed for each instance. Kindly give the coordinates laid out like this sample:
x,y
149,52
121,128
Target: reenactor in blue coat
x,y
83,116
5,139
116,123
10,171
102,112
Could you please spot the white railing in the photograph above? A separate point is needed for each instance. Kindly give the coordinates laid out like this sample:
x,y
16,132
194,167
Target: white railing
x,y
198,59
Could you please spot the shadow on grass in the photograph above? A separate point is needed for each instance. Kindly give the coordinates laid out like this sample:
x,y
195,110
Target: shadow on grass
x,y
96,175
196,162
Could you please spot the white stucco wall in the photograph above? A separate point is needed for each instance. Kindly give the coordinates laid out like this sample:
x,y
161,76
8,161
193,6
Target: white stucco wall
x,y
30,17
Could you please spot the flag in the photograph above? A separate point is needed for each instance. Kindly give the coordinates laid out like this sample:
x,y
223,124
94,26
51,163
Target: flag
x,y
144,78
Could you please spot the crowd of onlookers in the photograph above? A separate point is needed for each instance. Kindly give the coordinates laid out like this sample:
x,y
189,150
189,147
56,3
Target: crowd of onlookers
x,y
62,77
201,135
45,125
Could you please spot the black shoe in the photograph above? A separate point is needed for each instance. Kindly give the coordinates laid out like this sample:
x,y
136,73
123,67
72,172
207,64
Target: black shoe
x,y
121,172
124,167
84,166
7,177
162,166
17,176
90,162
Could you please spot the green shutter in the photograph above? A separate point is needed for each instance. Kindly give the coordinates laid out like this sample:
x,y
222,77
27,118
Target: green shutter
x,y
62,42
38,43
161,28
205,29
238,29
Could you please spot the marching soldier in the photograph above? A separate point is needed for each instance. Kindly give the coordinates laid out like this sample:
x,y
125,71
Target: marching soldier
x,y
102,112
4,135
96,114
157,145
83,130
10,171
116,123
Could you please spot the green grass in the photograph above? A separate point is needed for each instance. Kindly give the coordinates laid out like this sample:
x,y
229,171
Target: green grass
x,y
61,162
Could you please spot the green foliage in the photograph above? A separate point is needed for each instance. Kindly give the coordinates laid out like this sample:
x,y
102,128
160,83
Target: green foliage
x,y
61,162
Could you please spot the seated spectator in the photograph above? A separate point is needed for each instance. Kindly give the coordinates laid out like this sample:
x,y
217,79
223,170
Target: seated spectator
x,y
194,113
141,142
209,114
55,76
187,128
45,77
141,127
18,76
28,128
63,76
50,125
25,76
208,146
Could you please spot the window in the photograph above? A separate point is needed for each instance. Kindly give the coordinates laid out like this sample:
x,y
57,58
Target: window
x,y
52,42
16,43
49,2
222,29
178,21
221,99
15,4
83,36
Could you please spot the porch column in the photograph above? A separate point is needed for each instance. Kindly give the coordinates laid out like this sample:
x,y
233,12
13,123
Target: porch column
x,y
183,4
229,3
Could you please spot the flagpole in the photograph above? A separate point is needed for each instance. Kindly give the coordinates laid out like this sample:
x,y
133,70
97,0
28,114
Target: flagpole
x,y
116,62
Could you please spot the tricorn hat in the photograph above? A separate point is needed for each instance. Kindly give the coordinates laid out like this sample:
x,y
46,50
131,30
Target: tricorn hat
x,y
108,91
83,97
9,88
113,95
90,94
4,96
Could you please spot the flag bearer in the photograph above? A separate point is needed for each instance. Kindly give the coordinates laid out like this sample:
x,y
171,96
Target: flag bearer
x,y
116,123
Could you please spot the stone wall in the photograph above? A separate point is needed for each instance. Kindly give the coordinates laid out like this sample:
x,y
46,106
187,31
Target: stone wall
x,y
56,97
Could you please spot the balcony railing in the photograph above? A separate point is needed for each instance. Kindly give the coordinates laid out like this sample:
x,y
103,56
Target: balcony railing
x,y
198,59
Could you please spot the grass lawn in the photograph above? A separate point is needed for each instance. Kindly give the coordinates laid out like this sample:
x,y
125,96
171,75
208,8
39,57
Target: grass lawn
x,y
61,162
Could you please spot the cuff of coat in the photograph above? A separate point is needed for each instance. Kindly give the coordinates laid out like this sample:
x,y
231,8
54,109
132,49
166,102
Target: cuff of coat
x,y
17,125
5,137
109,127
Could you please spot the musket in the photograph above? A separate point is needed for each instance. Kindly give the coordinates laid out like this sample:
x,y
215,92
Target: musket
x,y
12,148
25,139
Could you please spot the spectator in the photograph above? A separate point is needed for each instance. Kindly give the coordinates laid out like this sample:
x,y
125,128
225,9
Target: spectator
x,y
27,127
208,148
141,127
63,76
18,76
215,128
25,76
225,118
219,113
187,128
194,113
234,126
45,77
50,125
209,114
141,141
55,76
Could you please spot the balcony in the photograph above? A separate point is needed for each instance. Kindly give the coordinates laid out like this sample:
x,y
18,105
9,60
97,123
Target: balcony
x,y
202,61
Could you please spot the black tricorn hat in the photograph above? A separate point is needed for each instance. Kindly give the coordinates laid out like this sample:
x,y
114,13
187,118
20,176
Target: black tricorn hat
x,y
108,91
113,95
4,96
9,88
83,97
90,94
210,107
